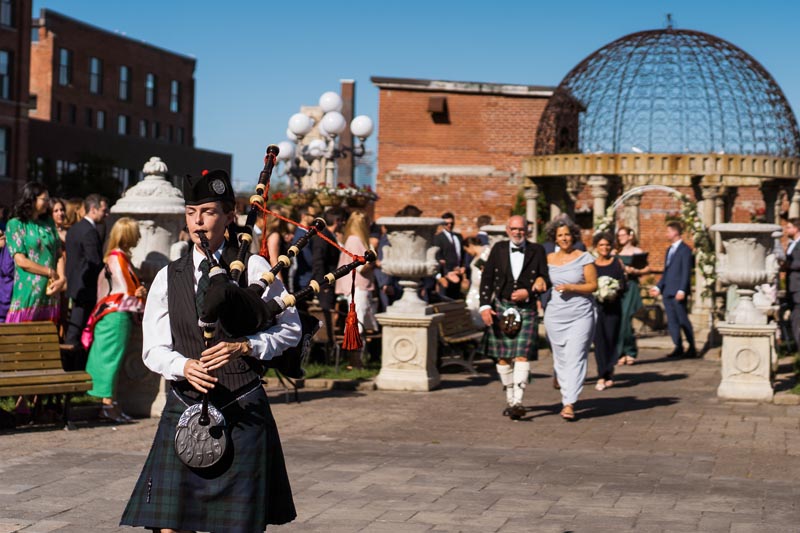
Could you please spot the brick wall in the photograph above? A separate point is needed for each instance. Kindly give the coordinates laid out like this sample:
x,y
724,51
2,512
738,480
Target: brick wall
x,y
15,38
489,132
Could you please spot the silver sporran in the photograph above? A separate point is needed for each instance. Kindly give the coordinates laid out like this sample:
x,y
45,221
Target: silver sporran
x,y
510,322
199,445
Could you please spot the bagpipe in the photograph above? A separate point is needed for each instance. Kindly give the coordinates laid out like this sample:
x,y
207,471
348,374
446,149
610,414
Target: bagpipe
x,y
200,439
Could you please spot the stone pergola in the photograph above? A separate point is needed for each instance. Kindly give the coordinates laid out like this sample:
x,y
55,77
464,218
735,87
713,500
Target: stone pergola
x,y
716,176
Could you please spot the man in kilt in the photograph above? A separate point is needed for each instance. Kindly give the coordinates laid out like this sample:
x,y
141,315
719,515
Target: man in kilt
x,y
514,272
248,488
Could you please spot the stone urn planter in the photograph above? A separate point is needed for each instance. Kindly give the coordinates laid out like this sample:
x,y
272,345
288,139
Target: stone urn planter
x,y
410,328
410,257
158,208
746,263
748,341
496,233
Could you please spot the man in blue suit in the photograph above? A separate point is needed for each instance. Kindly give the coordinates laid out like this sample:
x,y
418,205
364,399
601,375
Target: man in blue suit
x,y
674,289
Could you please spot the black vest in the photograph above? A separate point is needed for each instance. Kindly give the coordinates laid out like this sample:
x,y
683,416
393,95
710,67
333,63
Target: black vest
x,y
235,378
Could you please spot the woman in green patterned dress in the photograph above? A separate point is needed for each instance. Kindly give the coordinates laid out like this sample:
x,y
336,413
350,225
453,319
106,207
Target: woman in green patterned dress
x,y
36,248
635,261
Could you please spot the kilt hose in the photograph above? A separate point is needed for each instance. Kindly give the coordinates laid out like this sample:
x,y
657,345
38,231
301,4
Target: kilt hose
x,y
245,491
524,343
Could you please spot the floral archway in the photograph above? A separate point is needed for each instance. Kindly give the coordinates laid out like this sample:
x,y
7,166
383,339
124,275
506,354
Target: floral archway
x,y
705,256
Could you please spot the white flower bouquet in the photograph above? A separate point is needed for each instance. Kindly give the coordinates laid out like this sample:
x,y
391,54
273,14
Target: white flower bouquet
x,y
607,289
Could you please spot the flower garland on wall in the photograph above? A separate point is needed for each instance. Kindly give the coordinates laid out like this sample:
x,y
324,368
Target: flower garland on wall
x,y
704,253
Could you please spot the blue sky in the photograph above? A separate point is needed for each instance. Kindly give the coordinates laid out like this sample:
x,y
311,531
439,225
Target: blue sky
x,y
259,61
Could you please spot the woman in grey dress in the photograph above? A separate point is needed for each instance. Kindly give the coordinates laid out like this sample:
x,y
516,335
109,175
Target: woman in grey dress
x,y
570,315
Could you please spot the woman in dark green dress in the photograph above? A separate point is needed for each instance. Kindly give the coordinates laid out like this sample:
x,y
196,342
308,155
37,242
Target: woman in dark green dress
x,y
635,261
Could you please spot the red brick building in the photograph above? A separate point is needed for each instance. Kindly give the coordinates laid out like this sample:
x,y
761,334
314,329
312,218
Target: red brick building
x,y
454,146
104,104
15,39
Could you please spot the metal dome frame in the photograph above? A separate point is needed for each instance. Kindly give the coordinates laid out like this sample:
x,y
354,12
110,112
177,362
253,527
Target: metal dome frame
x,y
712,158
611,144
669,91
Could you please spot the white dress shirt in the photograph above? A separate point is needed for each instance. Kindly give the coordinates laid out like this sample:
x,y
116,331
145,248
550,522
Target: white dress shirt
x,y
670,253
455,242
672,249
157,352
791,246
516,258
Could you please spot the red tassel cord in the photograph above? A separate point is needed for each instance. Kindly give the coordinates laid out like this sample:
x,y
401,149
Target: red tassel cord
x,y
352,340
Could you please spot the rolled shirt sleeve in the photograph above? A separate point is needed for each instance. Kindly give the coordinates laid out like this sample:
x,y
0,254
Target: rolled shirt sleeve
x,y
157,352
287,331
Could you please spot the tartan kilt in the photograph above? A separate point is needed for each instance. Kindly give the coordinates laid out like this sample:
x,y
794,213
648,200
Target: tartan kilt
x,y
524,343
244,492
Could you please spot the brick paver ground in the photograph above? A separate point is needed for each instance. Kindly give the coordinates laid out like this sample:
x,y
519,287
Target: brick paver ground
x,y
656,453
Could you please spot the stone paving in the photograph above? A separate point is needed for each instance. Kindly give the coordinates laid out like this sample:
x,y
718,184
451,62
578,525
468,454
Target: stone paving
x,y
656,453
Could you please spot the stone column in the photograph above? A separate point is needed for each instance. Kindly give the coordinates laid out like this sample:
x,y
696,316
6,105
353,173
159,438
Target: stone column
x,y
770,192
631,212
532,208
703,306
794,207
159,209
599,190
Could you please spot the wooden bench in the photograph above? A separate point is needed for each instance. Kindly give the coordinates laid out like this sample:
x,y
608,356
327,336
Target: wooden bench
x,y
459,336
30,364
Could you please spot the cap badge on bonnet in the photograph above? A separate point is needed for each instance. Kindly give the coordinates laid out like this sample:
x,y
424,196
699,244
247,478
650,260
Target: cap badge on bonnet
x,y
217,186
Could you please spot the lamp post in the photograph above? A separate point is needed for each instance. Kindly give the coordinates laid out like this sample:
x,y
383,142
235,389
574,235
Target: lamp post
x,y
299,153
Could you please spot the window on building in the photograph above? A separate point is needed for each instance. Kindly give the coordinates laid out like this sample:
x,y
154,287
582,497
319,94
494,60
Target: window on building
x,y
7,14
142,128
96,75
64,66
89,117
4,139
124,83
101,120
5,74
38,170
170,133
58,111
175,96
122,124
181,135
150,93
156,130
73,113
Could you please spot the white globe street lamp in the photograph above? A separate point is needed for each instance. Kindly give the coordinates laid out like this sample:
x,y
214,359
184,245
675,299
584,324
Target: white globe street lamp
x,y
330,101
331,126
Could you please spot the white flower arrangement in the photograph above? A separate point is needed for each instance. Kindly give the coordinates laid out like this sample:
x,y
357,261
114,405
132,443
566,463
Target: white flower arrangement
x,y
607,289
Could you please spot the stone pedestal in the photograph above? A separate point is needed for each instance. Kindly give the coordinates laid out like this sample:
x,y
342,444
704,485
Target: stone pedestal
x,y
408,354
158,208
409,327
747,355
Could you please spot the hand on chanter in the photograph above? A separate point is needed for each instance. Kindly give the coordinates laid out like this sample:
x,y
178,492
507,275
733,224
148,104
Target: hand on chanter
x,y
197,375
223,353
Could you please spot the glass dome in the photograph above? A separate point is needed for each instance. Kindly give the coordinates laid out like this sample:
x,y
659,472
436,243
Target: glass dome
x,y
669,91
